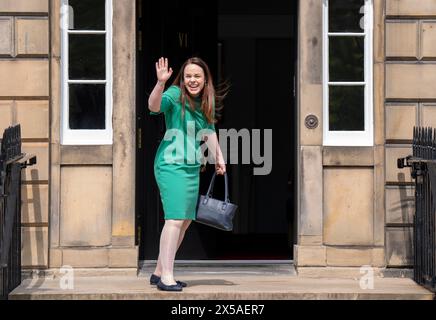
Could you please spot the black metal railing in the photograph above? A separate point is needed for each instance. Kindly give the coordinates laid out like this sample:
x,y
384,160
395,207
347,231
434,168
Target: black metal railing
x,y
423,171
12,160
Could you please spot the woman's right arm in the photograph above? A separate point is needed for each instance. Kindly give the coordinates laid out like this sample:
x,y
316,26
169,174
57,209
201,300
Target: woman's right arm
x,y
163,74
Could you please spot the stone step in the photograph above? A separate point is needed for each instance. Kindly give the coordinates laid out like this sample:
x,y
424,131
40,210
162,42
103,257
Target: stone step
x,y
221,286
252,267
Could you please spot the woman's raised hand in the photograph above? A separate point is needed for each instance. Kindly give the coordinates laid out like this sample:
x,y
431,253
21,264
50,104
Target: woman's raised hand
x,y
162,71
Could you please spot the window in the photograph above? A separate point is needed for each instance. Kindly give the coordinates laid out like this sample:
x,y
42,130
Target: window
x,y
347,73
86,72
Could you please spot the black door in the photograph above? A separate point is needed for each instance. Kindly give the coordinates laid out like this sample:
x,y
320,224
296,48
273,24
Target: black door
x,y
254,48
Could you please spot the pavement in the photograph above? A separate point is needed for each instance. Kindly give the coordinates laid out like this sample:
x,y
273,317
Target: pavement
x,y
256,283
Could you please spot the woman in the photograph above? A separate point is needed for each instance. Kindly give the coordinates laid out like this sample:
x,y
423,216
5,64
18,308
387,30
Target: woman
x,y
189,103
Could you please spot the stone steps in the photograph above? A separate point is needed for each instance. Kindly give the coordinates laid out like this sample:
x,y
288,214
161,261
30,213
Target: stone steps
x,y
216,285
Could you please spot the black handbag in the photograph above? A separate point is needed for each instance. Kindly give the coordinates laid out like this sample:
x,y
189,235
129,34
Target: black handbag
x,y
216,213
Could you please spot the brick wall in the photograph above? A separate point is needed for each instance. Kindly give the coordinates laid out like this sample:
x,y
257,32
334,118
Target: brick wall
x,y
24,99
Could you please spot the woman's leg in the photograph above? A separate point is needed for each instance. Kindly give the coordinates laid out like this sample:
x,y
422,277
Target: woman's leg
x,y
167,249
186,223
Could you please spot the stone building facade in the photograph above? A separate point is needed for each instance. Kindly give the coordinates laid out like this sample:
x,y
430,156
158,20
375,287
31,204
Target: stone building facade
x,y
354,206
78,208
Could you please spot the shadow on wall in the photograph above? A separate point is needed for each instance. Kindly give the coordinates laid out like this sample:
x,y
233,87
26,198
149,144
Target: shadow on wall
x,y
31,212
401,246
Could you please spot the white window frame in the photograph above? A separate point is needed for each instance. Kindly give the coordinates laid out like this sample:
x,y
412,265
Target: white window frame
x,y
86,137
350,138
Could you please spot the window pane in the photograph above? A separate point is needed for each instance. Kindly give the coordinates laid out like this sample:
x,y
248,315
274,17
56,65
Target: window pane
x,y
87,106
346,15
346,108
87,14
87,57
346,59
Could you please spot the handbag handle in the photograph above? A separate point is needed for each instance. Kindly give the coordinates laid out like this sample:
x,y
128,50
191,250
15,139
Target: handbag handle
x,y
212,183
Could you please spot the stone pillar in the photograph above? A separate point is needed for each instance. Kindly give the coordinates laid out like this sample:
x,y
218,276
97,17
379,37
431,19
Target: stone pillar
x,y
309,250
124,122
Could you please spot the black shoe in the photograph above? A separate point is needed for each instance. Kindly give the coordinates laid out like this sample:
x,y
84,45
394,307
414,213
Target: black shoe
x,y
173,287
154,279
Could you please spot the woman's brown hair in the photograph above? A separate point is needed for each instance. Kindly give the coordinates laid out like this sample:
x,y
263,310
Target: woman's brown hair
x,y
209,96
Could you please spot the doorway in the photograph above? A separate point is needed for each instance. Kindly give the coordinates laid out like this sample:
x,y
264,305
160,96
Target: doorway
x,y
254,48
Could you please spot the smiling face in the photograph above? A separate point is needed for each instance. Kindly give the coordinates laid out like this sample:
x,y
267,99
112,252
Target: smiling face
x,y
194,79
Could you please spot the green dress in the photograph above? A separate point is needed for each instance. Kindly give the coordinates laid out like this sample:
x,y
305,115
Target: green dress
x,y
177,161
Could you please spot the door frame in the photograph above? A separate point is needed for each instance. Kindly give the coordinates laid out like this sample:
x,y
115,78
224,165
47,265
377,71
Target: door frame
x,y
296,156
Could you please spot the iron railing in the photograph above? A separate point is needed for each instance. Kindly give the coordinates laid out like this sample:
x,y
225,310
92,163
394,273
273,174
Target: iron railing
x,y
423,171
12,160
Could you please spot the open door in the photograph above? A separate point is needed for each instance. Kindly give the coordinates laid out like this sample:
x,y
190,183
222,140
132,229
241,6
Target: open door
x,y
255,49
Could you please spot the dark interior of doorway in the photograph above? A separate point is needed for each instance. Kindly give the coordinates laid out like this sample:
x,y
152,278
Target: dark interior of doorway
x,y
254,47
